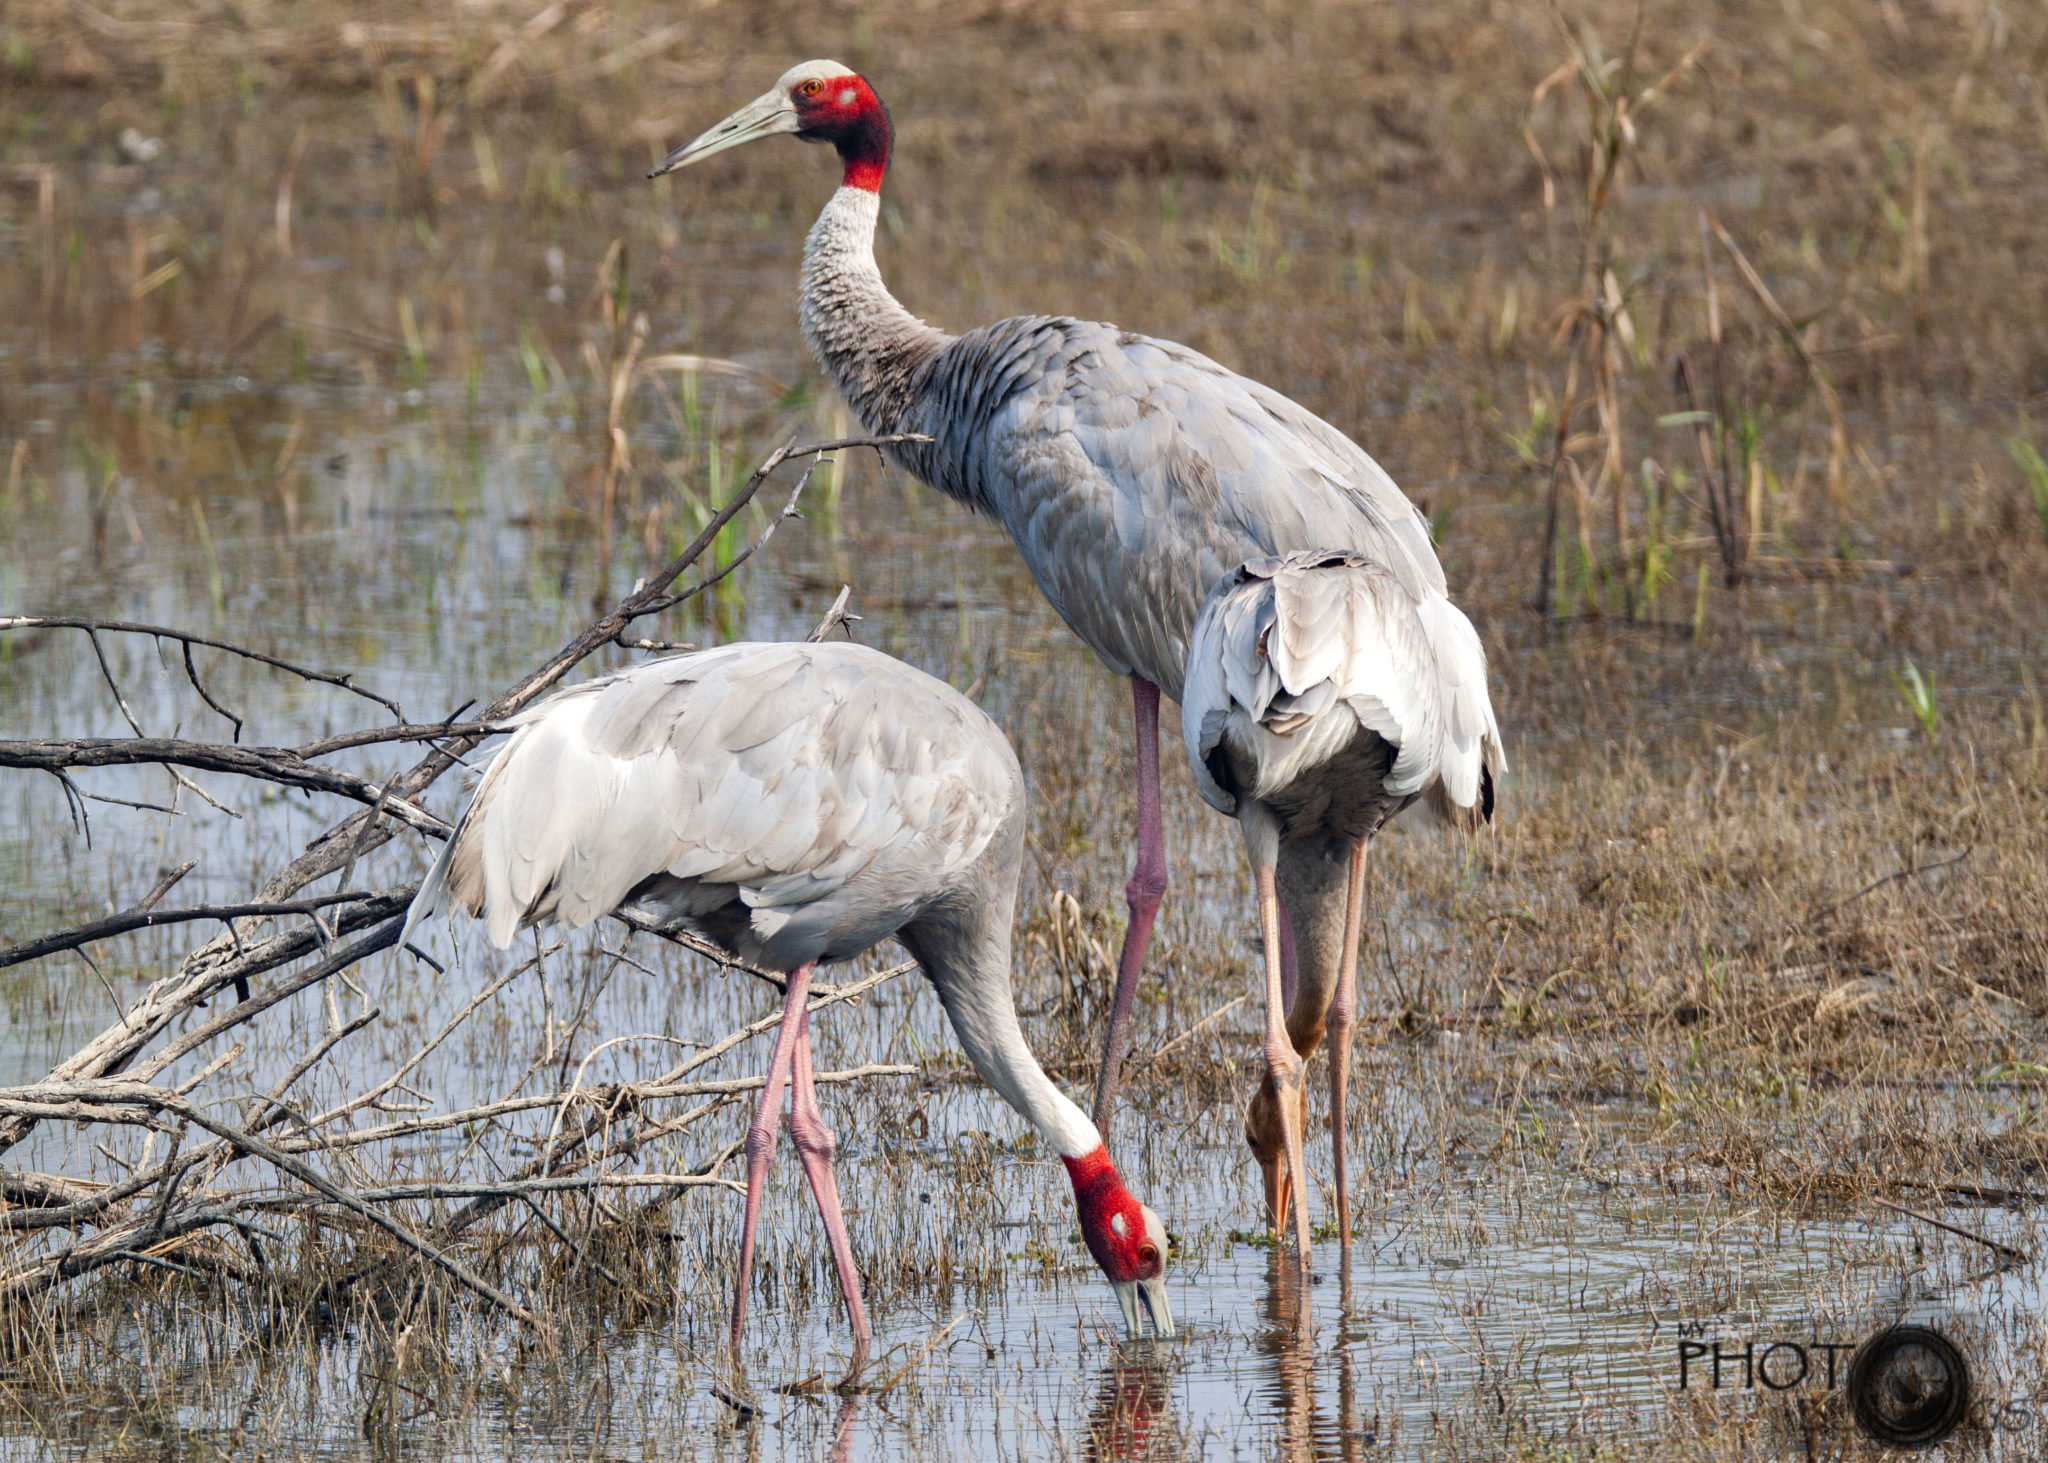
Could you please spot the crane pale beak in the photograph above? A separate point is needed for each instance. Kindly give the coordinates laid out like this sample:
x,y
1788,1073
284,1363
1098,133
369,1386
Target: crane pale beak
x,y
772,115
1131,1295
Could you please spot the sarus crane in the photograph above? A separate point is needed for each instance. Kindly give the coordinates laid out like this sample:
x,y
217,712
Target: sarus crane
x,y
1323,699
1132,473
796,804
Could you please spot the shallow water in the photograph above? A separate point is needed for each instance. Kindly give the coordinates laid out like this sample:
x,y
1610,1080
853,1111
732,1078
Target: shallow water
x,y
1481,1298
1462,1322
319,497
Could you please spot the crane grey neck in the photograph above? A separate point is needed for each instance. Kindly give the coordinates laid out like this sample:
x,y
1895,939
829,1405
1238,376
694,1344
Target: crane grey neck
x,y
964,946
875,351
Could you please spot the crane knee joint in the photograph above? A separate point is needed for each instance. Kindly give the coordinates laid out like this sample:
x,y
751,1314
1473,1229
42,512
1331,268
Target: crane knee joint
x,y
1147,887
812,1135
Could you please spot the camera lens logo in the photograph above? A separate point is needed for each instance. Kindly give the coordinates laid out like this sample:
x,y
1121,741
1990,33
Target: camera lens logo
x,y
1909,1386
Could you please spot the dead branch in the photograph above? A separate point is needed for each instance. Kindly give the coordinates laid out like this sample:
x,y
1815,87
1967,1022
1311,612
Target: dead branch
x,y
142,918
220,961
267,764
113,1049
187,639
834,617
116,1095
334,847
591,1122
426,732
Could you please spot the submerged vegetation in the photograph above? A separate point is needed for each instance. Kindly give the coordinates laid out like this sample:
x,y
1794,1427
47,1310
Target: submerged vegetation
x,y
1711,345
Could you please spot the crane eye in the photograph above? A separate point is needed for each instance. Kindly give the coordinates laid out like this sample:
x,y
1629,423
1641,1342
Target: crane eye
x,y
1147,1254
812,87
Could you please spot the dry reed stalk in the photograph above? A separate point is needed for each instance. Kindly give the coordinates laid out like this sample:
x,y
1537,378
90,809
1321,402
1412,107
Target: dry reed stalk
x,y
1597,323
1838,430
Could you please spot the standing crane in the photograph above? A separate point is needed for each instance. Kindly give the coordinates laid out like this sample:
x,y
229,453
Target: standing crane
x,y
795,804
1322,699
1132,473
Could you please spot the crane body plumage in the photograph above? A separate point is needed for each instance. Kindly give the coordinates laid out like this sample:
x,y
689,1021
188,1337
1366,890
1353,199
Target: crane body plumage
x,y
1132,473
796,804
1320,686
792,803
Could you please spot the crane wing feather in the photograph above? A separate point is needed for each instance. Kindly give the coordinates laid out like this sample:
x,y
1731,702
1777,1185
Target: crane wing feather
x,y
1281,641
1133,473
776,774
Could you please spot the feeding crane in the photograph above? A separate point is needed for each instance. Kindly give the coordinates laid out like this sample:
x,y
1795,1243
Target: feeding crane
x,y
1132,473
1322,699
796,804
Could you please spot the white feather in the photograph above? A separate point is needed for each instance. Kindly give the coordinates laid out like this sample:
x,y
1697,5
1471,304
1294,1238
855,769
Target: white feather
x,y
1281,643
779,772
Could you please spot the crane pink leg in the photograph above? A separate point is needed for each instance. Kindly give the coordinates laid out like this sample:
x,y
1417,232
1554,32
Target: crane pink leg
x,y
760,1145
1339,1024
1143,893
1289,973
815,1143
1286,1070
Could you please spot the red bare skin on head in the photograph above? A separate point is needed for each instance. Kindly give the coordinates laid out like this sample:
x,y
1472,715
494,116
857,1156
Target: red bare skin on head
x,y
1101,1197
845,112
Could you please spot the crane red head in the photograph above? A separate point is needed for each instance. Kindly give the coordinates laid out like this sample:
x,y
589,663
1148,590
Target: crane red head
x,y
1126,1239
819,101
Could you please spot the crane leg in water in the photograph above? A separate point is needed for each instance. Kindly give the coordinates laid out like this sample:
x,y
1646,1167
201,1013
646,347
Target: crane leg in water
x,y
815,1144
1143,893
1341,1023
1310,879
1285,1070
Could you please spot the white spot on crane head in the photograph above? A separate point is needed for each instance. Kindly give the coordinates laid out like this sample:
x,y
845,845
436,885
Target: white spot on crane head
x,y
1121,1225
846,97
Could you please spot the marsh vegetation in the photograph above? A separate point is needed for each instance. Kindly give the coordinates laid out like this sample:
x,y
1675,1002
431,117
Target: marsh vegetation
x,y
1710,341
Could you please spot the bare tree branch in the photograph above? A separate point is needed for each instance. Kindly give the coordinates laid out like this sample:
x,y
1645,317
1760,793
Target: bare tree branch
x,y
834,617
94,628
141,918
423,732
268,764
100,1095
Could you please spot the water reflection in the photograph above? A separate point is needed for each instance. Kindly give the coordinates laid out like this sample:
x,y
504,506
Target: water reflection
x,y
1352,1437
1288,1341
844,1427
1134,1417
1140,1411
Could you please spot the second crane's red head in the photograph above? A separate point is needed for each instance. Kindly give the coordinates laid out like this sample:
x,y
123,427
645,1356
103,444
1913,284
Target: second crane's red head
x,y
1126,1239
819,101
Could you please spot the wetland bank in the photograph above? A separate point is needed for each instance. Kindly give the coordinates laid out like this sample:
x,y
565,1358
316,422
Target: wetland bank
x,y
324,336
